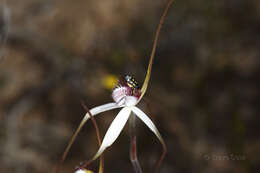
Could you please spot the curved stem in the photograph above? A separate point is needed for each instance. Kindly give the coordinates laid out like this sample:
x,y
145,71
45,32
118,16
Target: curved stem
x,y
148,73
153,128
161,158
69,145
93,111
101,163
133,148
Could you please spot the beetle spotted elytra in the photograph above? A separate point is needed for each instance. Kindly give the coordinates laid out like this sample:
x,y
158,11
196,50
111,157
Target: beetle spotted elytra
x,y
131,82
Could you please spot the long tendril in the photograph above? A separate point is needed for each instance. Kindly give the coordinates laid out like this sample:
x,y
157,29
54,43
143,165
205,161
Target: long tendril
x,y
148,74
149,69
69,145
101,164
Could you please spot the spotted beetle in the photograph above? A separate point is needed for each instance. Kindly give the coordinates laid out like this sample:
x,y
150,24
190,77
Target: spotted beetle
x,y
131,82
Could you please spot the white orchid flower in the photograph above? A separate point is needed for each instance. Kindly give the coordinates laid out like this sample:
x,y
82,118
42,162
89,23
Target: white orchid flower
x,y
126,95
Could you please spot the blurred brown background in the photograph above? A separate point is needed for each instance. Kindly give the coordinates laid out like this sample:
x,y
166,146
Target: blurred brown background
x,y
203,93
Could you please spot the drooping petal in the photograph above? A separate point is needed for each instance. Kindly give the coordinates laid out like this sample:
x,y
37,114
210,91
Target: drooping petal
x,y
114,130
93,111
148,122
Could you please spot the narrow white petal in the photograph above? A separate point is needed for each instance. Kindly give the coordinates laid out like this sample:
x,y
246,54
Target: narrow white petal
x,y
83,171
114,130
96,110
148,122
93,111
103,108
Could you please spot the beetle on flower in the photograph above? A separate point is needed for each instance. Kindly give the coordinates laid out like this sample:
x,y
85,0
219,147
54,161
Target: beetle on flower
x,y
126,95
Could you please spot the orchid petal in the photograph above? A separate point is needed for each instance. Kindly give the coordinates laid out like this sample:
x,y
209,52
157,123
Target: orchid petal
x,y
148,122
114,130
83,171
93,111
149,69
102,108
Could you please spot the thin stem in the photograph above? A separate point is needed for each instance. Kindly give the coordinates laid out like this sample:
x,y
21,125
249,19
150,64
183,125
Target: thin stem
x,y
73,139
148,73
101,163
161,158
158,164
69,145
133,148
